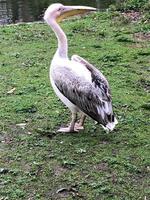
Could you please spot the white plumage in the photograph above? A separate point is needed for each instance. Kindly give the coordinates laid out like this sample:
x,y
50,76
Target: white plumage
x,y
79,85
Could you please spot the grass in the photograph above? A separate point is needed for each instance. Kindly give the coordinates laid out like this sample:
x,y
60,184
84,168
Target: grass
x,y
35,162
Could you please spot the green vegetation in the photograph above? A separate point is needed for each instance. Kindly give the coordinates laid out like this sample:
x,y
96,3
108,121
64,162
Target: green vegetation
x,y
136,5
35,161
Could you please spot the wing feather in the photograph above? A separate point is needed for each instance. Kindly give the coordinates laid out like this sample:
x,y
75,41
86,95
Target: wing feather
x,y
98,79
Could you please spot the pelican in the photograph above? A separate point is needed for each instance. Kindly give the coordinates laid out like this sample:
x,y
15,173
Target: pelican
x,y
78,84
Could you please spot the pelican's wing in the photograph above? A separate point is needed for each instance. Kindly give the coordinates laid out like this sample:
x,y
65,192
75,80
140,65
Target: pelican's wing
x,y
91,97
98,79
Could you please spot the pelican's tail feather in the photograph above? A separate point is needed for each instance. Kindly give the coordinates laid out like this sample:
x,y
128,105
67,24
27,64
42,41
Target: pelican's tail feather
x,y
111,125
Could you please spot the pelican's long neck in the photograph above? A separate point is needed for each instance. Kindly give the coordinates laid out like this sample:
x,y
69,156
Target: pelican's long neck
x,y
62,50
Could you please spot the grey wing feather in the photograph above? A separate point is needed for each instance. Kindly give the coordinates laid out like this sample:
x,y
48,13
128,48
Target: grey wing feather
x,y
83,94
98,78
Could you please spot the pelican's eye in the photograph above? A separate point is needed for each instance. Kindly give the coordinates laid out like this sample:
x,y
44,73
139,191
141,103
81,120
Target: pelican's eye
x,y
60,9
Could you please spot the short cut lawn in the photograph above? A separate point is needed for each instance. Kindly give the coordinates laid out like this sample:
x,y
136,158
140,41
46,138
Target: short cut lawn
x,y
38,163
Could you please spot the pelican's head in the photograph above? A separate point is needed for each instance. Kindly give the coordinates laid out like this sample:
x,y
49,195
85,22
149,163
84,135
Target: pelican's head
x,y
59,12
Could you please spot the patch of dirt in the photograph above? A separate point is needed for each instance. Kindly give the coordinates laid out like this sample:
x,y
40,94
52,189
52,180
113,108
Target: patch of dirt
x,y
137,45
59,170
102,166
6,139
132,15
114,178
142,36
145,84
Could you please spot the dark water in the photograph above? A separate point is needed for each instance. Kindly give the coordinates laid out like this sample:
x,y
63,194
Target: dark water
x,y
13,11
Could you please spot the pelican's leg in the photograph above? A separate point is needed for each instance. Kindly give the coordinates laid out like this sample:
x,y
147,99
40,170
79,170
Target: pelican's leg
x,y
71,128
79,126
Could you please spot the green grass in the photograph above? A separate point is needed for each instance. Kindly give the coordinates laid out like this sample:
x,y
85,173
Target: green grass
x,y
35,162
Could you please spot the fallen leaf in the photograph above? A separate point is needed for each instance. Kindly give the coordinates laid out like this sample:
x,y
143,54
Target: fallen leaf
x,y
21,125
61,190
11,91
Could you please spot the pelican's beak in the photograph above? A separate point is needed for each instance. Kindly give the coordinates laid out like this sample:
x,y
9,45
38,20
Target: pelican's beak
x,y
74,10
